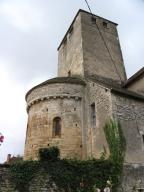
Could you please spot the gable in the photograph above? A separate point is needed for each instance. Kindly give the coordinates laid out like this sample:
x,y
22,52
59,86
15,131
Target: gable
x,y
136,82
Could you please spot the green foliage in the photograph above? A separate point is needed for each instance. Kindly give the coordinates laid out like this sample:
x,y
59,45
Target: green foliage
x,y
117,145
22,173
49,154
116,140
76,175
70,175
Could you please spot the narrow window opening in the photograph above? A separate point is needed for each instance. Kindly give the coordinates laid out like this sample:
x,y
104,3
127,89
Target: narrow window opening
x,y
143,139
69,73
105,24
93,20
140,189
93,115
57,127
74,109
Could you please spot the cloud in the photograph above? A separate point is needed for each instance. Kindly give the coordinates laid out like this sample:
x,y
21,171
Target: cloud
x,y
13,115
21,14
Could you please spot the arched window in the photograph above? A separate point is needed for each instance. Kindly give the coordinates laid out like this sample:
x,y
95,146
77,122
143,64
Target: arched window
x,y
57,127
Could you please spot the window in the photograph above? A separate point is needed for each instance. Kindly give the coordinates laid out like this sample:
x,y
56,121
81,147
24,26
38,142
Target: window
x,y
69,73
143,138
57,127
93,20
93,115
140,189
105,24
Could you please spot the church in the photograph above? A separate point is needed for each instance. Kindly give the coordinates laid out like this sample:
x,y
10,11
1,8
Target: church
x,y
70,110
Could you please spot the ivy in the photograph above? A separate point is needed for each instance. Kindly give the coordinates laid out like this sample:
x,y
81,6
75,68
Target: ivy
x,y
22,173
116,140
49,154
69,175
75,175
117,144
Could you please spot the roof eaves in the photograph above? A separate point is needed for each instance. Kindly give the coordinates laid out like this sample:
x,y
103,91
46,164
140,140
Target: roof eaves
x,y
134,77
70,80
127,93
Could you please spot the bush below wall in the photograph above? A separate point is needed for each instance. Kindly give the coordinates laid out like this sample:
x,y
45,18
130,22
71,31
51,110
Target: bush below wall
x,y
64,175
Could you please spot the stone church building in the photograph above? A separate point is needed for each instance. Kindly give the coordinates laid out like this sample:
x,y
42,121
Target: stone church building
x,y
70,111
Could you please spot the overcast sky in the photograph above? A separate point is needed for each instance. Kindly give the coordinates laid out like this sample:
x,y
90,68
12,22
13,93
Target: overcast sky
x,y
30,32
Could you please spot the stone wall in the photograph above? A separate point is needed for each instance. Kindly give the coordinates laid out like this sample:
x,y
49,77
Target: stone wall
x,y
130,113
40,183
133,177
70,55
5,184
44,104
95,140
83,51
97,60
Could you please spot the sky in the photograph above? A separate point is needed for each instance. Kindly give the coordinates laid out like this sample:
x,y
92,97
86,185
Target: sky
x,y
30,32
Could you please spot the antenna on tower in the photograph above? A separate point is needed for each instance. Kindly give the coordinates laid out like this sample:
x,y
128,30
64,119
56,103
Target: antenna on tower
x,y
88,6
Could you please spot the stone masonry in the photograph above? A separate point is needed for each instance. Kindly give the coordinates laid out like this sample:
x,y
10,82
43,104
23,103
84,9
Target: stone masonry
x,y
70,111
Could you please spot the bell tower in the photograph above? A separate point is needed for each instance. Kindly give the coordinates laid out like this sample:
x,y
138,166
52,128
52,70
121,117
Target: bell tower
x,y
91,48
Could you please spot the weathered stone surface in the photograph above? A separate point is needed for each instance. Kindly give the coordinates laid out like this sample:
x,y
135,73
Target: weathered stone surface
x,y
5,184
40,183
130,112
64,101
84,53
133,178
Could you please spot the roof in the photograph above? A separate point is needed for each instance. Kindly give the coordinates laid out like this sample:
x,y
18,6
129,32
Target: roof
x,y
80,11
69,80
117,88
135,77
127,93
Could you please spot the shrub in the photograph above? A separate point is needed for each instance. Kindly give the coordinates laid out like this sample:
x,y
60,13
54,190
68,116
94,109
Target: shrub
x,y
49,154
